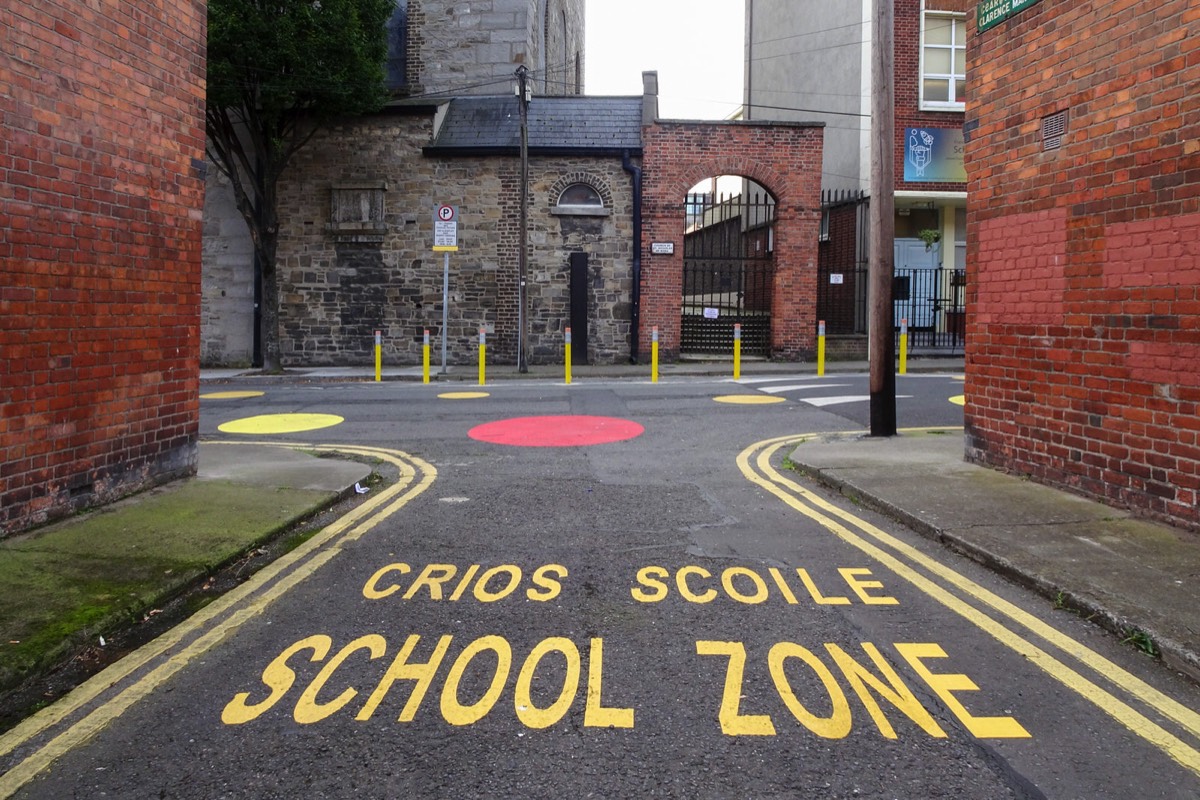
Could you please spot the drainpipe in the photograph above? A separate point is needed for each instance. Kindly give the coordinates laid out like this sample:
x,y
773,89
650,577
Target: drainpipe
x,y
256,357
636,297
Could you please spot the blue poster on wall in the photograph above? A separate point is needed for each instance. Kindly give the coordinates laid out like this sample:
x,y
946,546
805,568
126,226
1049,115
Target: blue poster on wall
x,y
934,155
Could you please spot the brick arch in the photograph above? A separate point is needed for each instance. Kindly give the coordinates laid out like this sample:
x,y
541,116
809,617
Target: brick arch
x,y
763,176
785,158
570,179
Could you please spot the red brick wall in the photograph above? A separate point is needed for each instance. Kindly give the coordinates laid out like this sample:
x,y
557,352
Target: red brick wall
x,y
100,197
785,158
1083,343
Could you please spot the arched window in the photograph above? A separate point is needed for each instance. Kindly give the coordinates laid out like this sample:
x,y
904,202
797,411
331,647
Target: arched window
x,y
580,195
396,67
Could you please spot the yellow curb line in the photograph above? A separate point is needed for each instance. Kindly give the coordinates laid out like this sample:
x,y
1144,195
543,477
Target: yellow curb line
x,y
1137,723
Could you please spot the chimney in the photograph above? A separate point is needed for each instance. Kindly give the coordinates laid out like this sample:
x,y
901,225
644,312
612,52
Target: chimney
x,y
649,98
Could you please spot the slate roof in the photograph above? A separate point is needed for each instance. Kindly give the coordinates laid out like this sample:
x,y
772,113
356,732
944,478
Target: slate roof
x,y
573,124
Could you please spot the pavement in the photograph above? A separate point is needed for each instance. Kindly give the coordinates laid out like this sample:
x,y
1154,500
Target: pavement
x,y
66,586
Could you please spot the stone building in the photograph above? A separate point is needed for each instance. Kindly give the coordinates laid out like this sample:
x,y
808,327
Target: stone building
x,y
357,233
438,49
101,141
449,47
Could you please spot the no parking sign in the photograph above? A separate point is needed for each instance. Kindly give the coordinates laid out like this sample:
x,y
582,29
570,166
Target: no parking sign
x,y
445,228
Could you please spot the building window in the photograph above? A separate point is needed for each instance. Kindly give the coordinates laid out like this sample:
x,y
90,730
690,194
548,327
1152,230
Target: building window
x,y
358,212
580,194
582,199
943,62
396,76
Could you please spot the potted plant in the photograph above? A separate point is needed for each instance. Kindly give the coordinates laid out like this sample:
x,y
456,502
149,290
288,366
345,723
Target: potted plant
x,y
929,236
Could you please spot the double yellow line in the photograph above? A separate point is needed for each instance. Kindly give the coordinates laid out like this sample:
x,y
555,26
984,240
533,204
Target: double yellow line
x,y
88,709
990,613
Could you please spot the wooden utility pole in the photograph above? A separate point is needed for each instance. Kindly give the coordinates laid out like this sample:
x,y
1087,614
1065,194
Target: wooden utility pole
x,y
523,91
882,344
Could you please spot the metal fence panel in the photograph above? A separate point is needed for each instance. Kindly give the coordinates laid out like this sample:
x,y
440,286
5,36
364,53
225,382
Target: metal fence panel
x,y
728,274
932,300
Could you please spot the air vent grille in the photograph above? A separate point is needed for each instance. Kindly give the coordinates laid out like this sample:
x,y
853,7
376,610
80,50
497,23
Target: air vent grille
x,y
1054,127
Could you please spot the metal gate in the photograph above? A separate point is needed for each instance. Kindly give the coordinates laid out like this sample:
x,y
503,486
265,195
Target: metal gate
x,y
728,272
933,301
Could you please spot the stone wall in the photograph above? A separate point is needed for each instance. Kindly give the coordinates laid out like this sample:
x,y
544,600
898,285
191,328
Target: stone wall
x,y
461,48
563,30
454,48
227,283
339,286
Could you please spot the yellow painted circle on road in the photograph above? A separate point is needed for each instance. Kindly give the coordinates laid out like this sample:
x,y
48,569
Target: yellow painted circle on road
x,y
959,399
748,399
280,423
463,395
230,395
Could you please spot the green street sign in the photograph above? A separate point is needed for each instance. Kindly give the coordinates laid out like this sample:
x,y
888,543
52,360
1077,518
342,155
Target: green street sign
x,y
990,13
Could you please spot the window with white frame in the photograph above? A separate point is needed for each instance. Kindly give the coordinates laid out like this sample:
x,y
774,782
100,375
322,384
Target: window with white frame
x,y
943,61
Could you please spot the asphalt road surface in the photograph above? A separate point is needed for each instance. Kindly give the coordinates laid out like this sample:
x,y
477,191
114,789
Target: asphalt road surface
x,y
631,598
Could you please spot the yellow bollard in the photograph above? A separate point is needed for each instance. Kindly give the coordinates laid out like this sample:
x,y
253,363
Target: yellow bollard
x,y
654,355
378,356
482,354
903,346
737,350
821,349
567,332
425,359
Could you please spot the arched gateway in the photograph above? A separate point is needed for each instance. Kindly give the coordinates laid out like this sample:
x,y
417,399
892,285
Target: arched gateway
x,y
728,267
760,269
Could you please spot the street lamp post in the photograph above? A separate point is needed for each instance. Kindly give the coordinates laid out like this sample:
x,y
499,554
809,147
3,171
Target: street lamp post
x,y
523,92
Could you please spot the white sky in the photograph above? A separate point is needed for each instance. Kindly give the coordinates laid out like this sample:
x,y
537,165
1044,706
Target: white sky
x,y
696,46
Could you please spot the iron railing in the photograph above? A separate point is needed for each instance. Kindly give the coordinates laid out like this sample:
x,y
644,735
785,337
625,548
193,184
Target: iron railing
x,y
933,301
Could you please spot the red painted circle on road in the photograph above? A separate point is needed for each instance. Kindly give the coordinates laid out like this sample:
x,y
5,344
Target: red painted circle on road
x,y
564,431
